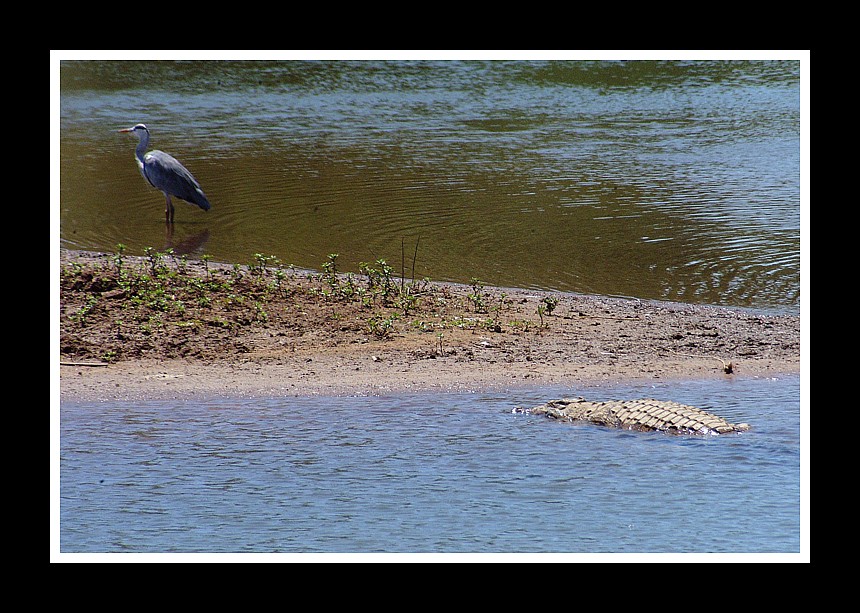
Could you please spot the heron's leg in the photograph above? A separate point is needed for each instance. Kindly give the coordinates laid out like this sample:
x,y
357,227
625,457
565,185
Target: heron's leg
x,y
168,209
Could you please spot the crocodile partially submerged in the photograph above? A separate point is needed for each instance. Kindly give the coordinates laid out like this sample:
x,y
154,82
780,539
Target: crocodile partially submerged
x,y
645,415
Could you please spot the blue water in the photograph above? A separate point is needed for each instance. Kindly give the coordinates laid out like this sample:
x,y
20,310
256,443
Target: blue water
x,y
430,473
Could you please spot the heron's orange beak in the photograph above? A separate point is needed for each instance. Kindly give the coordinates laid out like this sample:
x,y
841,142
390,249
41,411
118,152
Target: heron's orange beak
x,y
125,130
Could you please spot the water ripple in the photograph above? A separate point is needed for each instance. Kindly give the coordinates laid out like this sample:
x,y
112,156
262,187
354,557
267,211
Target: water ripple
x,y
428,472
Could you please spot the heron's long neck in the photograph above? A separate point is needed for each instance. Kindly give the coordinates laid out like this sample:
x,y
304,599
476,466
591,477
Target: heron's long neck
x,y
142,145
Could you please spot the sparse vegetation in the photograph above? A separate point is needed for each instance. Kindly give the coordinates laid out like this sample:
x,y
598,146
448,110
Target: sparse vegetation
x,y
382,325
163,305
549,303
477,296
367,325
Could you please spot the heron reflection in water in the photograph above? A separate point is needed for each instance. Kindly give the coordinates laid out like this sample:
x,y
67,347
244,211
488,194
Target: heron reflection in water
x,y
165,173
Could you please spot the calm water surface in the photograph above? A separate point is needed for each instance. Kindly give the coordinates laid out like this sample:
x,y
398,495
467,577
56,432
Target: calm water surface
x,y
430,473
660,180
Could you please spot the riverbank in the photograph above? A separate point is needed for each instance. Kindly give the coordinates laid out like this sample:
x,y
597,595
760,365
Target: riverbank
x,y
157,327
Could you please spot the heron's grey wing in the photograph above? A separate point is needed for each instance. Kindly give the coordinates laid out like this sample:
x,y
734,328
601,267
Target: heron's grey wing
x,y
167,174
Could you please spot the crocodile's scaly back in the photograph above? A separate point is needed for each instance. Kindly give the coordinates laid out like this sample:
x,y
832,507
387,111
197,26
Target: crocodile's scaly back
x,y
645,414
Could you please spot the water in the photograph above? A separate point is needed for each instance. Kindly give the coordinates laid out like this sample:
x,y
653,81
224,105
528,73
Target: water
x,y
430,473
663,180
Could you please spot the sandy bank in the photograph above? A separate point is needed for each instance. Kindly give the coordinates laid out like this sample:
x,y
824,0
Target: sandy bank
x,y
311,343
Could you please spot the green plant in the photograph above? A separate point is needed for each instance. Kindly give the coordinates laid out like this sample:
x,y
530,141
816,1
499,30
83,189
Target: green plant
x,y
421,326
330,270
477,296
502,300
259,312
550,302
381,326
156,261
379,279
236,272
180,263
262,264
278,282
117,259
491,325
407,301
342,287
520,324
81,314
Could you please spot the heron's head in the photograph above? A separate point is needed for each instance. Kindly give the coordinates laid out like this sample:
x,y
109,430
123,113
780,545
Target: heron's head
x,y
138,129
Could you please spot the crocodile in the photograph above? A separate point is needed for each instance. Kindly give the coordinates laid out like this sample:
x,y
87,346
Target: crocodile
x,y
645,415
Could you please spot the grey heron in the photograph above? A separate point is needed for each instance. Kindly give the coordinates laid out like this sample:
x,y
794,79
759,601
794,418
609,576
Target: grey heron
x,y
165,173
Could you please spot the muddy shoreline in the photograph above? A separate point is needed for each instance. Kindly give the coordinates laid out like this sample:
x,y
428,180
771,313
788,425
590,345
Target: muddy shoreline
x,y
315,342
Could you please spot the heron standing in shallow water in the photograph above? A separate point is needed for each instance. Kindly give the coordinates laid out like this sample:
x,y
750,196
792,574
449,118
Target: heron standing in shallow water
x,y
164,172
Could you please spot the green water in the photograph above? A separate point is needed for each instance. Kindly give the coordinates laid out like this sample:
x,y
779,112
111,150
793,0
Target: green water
x,y
657,179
